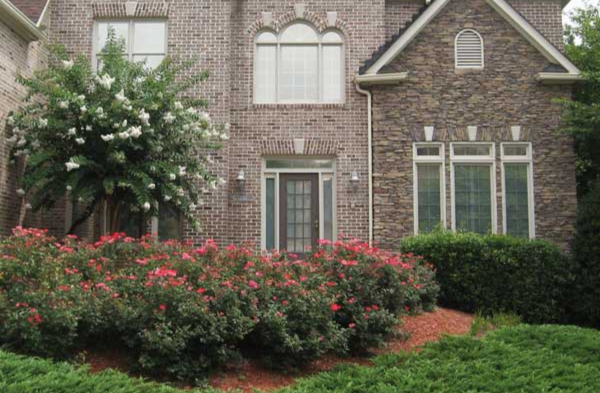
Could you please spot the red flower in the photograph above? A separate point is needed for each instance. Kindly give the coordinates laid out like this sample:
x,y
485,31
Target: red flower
x,y
349,263
253,284
162,307
336,307
201,290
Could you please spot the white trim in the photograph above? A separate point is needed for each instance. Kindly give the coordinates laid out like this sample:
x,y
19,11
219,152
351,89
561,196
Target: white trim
x,y
475,160
558,77
526,160
382,79
503,8
17,20
481,50
43,14
274,173
429,160
369,154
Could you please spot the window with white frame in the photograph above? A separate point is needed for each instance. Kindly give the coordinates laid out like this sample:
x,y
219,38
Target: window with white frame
x,y
469,49
429,186
273,170
299,65
145,40
473,178
517,190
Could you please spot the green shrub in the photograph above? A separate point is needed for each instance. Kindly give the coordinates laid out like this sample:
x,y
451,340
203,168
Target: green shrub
x,y
585,296
497,273
513,359
184,311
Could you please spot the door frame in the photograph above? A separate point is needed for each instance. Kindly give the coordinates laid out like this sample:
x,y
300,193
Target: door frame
x,y
274,173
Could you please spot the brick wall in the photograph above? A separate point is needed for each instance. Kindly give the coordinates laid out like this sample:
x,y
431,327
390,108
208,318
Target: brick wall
x,y
505,93
545,16
398,13
17,56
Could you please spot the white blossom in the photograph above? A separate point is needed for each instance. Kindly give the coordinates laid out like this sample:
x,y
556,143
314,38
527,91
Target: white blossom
x,y
186,127
124,124
120,96
35,144
178,106
224,137
11,120
20,192
88,127
83,109
167,198
71,165
146,206
63,104
124,135
12,139
213,185
182,171
151,186
129,108
100,111
135,132
192,206
172,176
81,97
72,131
209,159
105,81
68,64
221,181
205,116
180,192
69,188
107,137
43,123
22,142
169,118
28,206
116,125
80,141
191,110
144,117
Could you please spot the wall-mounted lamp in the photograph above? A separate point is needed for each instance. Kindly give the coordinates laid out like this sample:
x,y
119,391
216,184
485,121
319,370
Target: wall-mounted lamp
x,y
354,180
241,181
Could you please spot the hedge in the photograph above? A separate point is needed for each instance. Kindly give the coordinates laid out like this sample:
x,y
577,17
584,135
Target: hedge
x,y
495,273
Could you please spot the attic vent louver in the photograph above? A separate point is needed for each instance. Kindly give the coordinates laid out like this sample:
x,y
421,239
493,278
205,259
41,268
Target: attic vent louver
x,y
469,49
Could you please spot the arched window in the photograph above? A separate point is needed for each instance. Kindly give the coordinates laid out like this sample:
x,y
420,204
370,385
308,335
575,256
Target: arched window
x,y
469,50
299,65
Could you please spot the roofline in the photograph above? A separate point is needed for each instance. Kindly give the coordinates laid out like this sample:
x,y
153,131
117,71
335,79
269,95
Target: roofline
x,y
558,77
503,8
381,79
18,21
43,14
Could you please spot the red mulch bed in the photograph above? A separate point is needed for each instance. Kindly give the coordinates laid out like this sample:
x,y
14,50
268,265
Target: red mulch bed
x,y
249,376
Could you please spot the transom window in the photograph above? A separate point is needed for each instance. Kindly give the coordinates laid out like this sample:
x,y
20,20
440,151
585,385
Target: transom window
x,y
469,50
145,40
517,185
473,187
429,186
299,65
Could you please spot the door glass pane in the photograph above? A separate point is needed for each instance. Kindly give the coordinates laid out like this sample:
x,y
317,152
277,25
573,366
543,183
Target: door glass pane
x,y
328,209
299,215
149,38
299,73
266,74
332,73
517,199
270,214
429,197
473,198
169,223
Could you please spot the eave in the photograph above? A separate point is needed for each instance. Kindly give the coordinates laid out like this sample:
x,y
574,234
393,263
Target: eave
x,y
381,79
20,23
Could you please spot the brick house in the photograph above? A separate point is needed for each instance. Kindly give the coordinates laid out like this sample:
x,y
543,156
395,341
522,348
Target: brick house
x,y
373,121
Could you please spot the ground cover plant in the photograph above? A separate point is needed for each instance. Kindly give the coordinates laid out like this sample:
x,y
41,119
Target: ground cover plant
x,y
184,311
496,273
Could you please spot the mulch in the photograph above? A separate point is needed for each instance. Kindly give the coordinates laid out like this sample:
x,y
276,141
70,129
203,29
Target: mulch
x,y
249,375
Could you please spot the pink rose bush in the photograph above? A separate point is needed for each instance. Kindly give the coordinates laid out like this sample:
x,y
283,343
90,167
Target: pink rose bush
x,y
184,311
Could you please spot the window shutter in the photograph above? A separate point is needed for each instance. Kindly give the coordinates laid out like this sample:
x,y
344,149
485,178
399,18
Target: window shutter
x,y
469,50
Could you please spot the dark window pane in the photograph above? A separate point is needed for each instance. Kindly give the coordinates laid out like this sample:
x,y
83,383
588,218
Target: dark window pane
x,y
517,199
169,223
270,214
328,209
473,198
429,198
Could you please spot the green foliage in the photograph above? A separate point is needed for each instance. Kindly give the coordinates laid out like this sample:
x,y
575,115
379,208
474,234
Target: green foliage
x,y
485,323
515,359
582,117
184,312
496,273
124,135
585,298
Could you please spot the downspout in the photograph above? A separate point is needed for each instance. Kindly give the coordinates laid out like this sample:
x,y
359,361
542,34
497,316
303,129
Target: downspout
x,y
370,154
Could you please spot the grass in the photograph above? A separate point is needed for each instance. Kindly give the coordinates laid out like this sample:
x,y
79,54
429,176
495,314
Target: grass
x,y
512,359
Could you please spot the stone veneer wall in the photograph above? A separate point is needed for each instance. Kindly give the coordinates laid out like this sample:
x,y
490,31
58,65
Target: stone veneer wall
x,y
503,94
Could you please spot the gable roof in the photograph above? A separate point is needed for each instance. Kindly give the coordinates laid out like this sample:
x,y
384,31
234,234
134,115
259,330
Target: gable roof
x,y
389,51
19,22
33,9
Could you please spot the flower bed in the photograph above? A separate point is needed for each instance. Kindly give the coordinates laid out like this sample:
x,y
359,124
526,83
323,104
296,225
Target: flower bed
x,y
184,311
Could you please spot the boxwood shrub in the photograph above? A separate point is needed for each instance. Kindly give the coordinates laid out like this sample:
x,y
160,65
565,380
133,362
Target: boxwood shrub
x,y
496,273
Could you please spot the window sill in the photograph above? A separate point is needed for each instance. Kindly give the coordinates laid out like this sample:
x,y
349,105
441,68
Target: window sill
x,y
308,105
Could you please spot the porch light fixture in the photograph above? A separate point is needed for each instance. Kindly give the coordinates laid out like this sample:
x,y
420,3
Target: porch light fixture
x,y
354,180
241,181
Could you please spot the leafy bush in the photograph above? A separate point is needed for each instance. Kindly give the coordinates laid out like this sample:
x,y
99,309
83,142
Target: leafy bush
x,y
513,359
585,296
497,273
184,311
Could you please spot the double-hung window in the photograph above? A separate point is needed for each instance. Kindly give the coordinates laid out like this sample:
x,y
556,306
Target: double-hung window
x,y
517,185
429,186
145,40
299,65
473,178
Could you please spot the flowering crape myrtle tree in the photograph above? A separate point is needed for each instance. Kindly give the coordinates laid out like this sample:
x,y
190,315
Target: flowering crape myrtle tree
x,y
124,136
